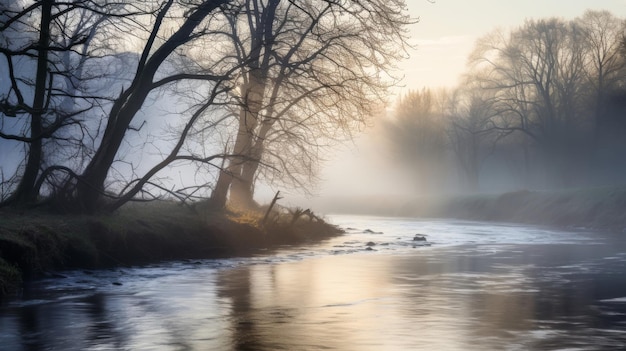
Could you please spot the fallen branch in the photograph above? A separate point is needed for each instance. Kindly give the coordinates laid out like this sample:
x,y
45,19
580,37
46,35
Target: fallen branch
x,y
269,209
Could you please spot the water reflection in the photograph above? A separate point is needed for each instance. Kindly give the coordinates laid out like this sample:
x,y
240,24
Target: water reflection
x,y
512,298
480,297
313,304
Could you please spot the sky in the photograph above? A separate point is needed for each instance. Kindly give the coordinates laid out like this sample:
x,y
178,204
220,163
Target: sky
x,y
448,29
443,39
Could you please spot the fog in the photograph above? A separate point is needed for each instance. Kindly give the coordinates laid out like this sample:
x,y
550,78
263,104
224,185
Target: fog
x,y
538,105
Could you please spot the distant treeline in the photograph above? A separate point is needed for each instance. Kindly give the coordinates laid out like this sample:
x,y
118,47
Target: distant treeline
x,y
540,106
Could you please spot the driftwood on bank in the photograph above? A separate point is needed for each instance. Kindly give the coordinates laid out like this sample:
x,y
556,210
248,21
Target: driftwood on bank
x,y
298,213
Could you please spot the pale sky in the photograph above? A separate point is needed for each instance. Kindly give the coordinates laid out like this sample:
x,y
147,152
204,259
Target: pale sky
x,y
448,29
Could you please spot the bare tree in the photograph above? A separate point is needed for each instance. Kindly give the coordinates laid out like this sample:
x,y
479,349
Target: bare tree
x,y
91,183
471,135
12,105
312,73
602,33
44,47
416,138
536,76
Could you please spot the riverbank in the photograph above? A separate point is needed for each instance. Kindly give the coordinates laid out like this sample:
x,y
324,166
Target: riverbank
x,y
594,208
35,243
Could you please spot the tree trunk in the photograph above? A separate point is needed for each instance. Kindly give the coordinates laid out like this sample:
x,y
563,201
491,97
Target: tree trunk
x,y
242,187
241,194
90,187
243,142
220,193
25,191
237,177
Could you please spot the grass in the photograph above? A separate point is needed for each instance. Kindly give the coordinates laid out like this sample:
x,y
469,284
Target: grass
x,y
34,242
10,277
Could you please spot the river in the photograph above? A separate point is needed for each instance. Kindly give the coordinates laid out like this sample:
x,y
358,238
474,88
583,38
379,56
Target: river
x,y
470,286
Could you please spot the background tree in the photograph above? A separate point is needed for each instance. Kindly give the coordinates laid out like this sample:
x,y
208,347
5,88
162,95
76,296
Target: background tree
x,y
535,75
417,138
24,191
604,73
471,135
604,63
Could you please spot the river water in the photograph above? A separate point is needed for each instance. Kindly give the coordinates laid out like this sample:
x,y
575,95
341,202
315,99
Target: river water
x,y
470,286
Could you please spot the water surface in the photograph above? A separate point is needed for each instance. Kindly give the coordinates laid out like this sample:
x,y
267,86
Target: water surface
x,y
477,286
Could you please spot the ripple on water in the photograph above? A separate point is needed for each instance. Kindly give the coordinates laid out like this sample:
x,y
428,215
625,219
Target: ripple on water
x,y
478,286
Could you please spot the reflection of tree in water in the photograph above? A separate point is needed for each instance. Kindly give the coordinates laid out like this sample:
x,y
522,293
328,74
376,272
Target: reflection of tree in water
x,y
101,326
29,323
235,285
311,305
80,322
265,312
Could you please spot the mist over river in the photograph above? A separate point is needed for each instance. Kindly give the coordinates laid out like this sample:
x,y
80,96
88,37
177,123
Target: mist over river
x,y
470,286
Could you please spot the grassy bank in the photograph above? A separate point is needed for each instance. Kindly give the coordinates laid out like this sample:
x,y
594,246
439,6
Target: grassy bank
x,y
35,242
601,208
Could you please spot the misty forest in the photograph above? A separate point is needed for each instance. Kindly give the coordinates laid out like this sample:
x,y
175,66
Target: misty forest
x,y
540,106
141,143
106,102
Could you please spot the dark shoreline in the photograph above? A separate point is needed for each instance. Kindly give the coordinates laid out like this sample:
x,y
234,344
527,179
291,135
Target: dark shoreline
x,y
35,243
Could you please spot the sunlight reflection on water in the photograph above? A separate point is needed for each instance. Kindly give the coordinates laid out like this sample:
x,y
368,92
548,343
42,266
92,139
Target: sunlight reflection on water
x,y
547,293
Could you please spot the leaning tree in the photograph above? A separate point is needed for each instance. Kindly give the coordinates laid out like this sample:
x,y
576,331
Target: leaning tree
x,y
174,26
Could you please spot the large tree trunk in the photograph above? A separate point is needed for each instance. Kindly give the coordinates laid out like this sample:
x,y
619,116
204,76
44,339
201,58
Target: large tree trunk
x,y
243,143
91,183
242,188
26,191
231,177
236,177
220,192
